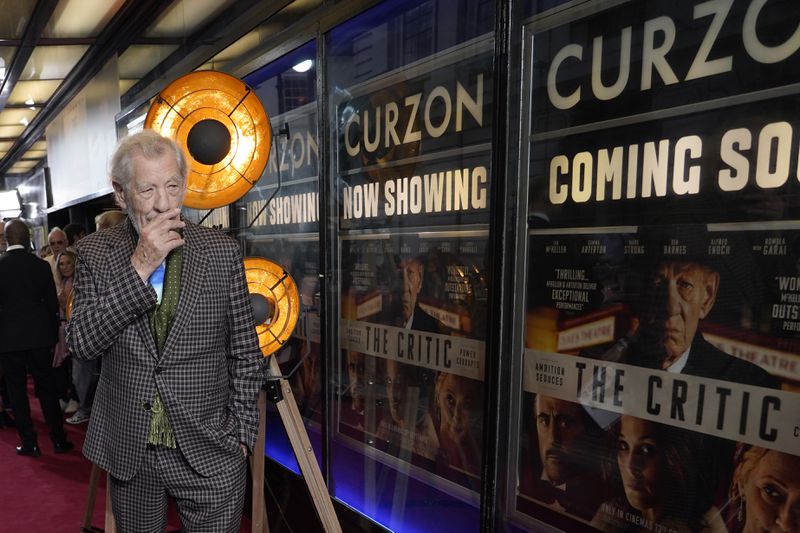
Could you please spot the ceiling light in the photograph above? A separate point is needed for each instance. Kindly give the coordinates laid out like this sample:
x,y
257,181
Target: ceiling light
x,y
29,101
303,66
24,121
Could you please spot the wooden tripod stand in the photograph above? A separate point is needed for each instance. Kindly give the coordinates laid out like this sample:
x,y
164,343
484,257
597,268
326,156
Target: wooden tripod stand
x,y
280,392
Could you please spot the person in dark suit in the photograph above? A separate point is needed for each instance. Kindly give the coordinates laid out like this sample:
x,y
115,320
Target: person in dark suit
x,y
568,476
28,332
679,293
165,303
412,314
5,418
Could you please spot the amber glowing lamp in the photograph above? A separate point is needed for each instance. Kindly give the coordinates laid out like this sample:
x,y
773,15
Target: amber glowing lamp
x,y
276,315
224,129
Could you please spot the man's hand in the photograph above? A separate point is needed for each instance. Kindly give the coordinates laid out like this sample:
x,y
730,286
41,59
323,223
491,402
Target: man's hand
x,y
157,238
244,450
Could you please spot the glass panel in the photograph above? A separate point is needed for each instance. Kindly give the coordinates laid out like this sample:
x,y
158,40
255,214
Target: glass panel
x,y
283,226
139,59
16,16
661,333
52,62
6,56
10,117
183,18
23,166
11,131
411,99
71,18
39,91
124,85
39,145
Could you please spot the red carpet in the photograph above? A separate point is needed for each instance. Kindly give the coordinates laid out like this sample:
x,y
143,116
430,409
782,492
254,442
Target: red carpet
x,y
47,494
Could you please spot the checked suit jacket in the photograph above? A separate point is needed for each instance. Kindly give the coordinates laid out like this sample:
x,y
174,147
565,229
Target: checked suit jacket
x,y
211,369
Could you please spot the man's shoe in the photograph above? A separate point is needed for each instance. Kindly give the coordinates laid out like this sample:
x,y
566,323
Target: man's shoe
x,y
30,450
62,447
77,418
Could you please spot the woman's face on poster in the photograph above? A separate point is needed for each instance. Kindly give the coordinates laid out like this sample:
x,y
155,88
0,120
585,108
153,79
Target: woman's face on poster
x,y
772,494
456,405
640,462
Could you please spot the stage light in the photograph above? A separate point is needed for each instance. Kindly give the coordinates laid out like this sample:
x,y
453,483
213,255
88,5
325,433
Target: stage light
x,y
222,125
275,301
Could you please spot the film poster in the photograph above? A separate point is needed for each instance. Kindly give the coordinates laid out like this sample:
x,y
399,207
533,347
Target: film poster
x,y
661,343
413,174
412,335
285,230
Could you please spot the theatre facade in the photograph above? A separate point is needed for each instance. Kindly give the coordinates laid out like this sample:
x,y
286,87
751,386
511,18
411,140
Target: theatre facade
x,y
548,256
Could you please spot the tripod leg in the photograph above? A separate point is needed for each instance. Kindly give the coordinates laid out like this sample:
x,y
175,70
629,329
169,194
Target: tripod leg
x,y
293,422
111,523
259,524
94,479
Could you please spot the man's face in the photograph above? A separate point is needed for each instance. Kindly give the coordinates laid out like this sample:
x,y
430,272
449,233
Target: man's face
x,y
155,187
3,242
356,372
412,283
396,390
58,242
679,296
559,428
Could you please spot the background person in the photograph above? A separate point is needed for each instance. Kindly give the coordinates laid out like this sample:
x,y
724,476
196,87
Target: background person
x,y
62,362
28,332
74,233
165,303
84,373
5,418
109,219
57,240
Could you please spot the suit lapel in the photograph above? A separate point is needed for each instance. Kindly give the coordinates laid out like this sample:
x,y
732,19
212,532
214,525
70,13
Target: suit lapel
x,y
195,263
121,249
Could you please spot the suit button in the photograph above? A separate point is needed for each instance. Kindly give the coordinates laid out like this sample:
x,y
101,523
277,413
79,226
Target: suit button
x,y
158,369
146,406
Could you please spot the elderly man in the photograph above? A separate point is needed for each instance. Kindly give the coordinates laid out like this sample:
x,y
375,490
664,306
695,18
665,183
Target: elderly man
x,y
413,316
165,303
58,242
680,291
28,332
